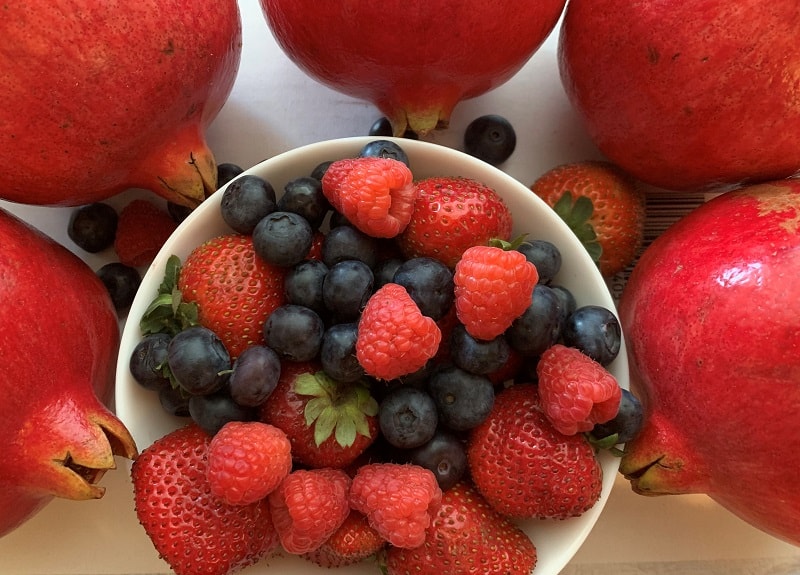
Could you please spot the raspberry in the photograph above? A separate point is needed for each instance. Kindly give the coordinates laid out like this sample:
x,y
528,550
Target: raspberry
x,y
398,499
141,231
247,460
308,507
493,287
576,392
394,338
375,194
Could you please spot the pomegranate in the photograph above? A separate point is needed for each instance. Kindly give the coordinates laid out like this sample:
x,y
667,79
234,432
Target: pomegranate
x,y
712,318
99,97
687,95
59,336
413,59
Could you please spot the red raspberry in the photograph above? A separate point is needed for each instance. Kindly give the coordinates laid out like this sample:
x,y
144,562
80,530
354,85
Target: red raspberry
x,y
398,499
375,194
141,231
247,460
576,392
308,507
394,338
493,287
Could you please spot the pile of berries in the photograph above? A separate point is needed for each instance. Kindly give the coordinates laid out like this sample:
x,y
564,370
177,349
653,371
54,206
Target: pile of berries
x,y
355,357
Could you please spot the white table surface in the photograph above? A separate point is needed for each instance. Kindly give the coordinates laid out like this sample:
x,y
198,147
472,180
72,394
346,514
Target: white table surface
x,y
274,108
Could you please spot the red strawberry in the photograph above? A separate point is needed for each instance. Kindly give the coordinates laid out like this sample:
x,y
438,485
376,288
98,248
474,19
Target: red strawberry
x,y
328,423
466,537
234,289
493,287
308,507
398,500
247,460
375,194
354,541
576,392
602,205
452,214
142,229
524,467
394,338
192,530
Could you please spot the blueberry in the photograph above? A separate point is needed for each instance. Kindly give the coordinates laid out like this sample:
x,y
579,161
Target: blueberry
x,y
567,299
540,324
294,332
255,375
93,227
226,171
407,417
338,352
429,283
348,243
303,284
595,331
212,412
544,255
246,201
384,149
283,238
384,271
382,127
627,423
304,196
463,399
174,401
319,170
490,138
198,360
476,355
122,281
346,289
444,455
148,360
178,212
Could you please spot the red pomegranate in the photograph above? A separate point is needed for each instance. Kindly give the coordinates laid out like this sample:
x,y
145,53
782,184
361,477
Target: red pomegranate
x,y
687,94
59,335
96,97
712,318
413,59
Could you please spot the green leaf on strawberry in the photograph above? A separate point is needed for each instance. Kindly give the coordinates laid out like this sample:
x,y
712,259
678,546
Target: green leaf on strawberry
x,y
168,312
576,214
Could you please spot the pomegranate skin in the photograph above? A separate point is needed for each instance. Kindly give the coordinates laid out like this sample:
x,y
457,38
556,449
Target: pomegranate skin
x,y
711,315
694,94
59,334
97,97
413,59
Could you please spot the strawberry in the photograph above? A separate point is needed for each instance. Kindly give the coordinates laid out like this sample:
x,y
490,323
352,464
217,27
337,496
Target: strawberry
x,y
466,536
375,194
328,423
576,392
394,338
247,460
234,290
524,467
142,228
603,207
354,541
493,287
398,500
452,214
192,530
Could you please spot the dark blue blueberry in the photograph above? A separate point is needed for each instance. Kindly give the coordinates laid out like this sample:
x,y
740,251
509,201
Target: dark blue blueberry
x,y
319,170
384,149
407,417
382,127
338,352
490,138
627,423
283,239
294,332
226,171
122,282
477,355
255,375
540,324
178,212
384,271
429,283
445,455
174,401
595,331
93,227
212,412
463,399
304,196
198,360
348,243
346,289
545,256
246,201
148,360
303,284
567,299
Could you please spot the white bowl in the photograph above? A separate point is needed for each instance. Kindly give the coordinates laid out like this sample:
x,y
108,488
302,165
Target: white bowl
x,y
556,541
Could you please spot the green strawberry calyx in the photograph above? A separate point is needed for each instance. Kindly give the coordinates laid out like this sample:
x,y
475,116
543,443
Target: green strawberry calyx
x,y
336,408
577,214
168,312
